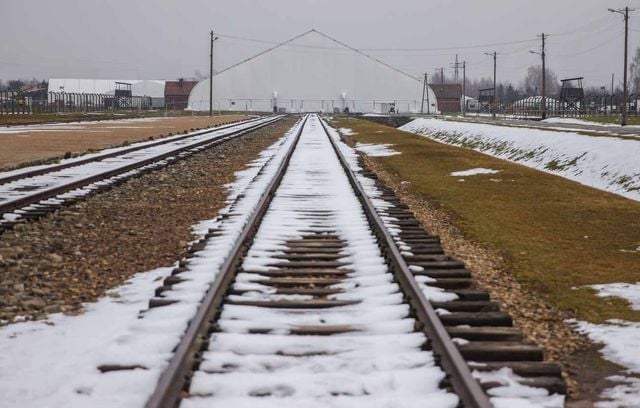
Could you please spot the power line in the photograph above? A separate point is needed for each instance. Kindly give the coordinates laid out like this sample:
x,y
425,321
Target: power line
x,y
380,49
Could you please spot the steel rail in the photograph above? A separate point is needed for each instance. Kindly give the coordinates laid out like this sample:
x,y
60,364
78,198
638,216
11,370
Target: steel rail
x,y
172,380
52,192
466,387
62,166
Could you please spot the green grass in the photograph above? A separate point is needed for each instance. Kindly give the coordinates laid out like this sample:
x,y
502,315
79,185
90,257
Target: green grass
x,y
554,233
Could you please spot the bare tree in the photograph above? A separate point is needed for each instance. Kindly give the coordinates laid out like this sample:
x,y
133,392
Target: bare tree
x,y
474,86
437,78
635,72
532,83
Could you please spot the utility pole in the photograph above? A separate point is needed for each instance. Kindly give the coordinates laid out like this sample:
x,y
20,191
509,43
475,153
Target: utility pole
x,y
625,93
424,88
464,88
611,95
544,83
426,82
211,74
544,78
456,69
441,76
495,99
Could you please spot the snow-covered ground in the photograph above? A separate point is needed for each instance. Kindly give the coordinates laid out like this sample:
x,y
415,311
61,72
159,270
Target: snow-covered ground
x,y
376,150
54,363
621,345
606,163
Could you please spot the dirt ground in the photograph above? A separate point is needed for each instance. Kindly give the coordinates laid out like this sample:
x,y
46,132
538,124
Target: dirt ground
x,y
26,144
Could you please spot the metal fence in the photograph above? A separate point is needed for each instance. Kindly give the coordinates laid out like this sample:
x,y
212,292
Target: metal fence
x,y
602,105
21,103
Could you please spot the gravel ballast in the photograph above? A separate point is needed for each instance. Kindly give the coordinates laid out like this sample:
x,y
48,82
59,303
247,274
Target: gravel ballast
x,y
75,255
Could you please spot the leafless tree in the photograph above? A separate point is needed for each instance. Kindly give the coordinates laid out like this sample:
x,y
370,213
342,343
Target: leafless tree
x,y
635,72
532,83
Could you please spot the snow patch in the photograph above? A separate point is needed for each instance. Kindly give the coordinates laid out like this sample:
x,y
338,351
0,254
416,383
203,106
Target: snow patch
x,y
473,172
347,132
621,340
376,150
628,291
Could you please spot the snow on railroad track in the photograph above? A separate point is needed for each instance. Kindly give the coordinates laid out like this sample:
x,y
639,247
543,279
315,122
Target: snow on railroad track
x,y
376,359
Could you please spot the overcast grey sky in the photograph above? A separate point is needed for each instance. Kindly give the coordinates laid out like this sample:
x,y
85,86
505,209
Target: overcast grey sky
x,y
161,39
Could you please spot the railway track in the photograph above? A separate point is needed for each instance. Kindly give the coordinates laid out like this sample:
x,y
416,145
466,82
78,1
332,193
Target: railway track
x,y
332,294
30,193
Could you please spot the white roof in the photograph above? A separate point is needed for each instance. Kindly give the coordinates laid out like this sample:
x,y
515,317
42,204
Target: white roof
x,y
139,87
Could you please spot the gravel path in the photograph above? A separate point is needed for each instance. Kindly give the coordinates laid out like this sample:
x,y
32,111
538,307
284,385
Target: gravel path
x,y
77,254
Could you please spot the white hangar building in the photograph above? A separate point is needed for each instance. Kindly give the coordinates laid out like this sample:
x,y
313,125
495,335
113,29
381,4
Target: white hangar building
x,y
309,73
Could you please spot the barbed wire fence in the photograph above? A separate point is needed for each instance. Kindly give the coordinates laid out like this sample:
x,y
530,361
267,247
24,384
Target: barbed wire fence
x,y
24,103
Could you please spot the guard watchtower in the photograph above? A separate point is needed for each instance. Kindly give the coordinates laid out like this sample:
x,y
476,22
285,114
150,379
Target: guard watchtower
x,y
123,95
572,94
486,98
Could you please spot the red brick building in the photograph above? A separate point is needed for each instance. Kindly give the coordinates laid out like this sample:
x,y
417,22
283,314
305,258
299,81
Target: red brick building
x,y
176,93
449,96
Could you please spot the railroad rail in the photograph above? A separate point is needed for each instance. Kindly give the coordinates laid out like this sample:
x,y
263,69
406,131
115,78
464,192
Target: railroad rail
x,y
33,192
330,278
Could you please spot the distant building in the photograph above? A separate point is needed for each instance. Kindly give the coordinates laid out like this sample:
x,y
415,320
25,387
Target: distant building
x,y
472,103
176,93
449,97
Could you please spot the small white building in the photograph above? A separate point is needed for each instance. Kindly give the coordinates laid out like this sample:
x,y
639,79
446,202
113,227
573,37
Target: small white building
x,y
471,104
313,73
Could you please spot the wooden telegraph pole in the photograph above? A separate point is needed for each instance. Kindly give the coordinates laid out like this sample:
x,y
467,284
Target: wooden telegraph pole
x,y
544,77
495,98
464,88
625,93
424,89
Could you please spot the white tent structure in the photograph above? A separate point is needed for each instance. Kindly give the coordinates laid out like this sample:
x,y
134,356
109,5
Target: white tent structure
x,y
313,73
